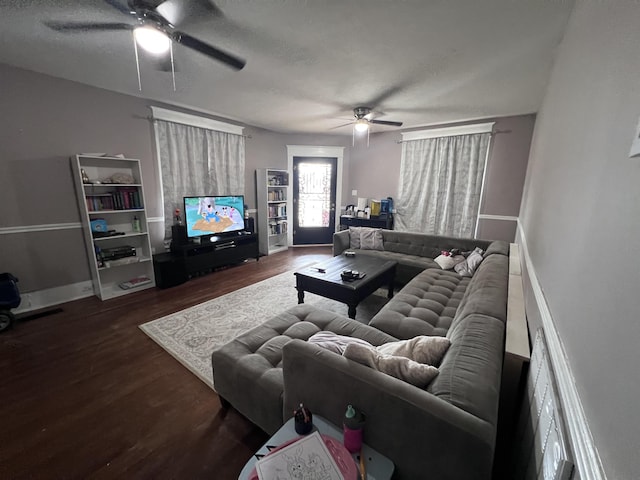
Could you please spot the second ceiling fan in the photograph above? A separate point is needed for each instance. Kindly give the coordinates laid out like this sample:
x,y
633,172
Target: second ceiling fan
x,y
364,119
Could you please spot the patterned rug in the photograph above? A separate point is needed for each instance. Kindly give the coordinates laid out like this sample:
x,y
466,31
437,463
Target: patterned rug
x,y
192,334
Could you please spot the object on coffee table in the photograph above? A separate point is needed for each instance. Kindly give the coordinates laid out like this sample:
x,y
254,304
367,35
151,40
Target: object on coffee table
x,y
303,420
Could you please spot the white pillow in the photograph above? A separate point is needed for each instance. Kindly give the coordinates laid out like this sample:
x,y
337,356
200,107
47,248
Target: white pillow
x,y
354,237
371,239
447,262
335,343
422,349
415,373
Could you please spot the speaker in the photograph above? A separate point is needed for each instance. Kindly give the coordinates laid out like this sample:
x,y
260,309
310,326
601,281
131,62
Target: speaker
x,y
179,235
250,225
169,270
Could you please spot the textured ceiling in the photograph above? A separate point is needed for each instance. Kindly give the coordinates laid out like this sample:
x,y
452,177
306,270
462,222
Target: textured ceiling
x,y
309,63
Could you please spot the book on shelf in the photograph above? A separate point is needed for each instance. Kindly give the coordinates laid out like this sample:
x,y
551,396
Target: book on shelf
x,y
121,199
276,195
135,282
277,210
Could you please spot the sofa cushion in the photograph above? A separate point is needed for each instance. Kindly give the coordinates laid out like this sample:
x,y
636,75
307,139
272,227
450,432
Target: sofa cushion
x,y
487,290
405,369
247,371
425,306
424,245
470,371
499,246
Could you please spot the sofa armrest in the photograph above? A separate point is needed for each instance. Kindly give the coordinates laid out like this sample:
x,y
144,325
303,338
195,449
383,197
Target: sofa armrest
x,y
422,434
341,242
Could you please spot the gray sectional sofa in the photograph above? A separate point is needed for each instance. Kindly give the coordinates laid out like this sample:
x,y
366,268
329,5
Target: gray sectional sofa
x,y
446,430
414,252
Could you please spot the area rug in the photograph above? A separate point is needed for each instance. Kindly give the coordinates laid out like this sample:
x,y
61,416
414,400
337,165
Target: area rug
x,y
192,334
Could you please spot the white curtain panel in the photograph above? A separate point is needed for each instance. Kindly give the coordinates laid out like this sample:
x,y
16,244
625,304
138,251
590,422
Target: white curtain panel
x,y
197,161
441,184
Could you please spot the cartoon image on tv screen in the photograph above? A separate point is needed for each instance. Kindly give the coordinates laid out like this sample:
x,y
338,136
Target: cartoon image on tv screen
x,y
209,215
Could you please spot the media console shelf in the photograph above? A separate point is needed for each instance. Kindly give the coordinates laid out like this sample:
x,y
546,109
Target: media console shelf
x,y
383,221
202,257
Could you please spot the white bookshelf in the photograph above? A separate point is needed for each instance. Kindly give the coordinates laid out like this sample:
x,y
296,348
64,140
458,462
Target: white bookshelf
x,y
101,198
272,195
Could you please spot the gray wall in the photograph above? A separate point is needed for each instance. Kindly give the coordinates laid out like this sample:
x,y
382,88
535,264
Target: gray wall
x,y
44,121
375,172
580,218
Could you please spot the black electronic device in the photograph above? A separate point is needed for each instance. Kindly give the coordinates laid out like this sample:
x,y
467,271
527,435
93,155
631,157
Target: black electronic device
x,y
169,270
179,235
351,275
250,225
116,253
213,215
109,233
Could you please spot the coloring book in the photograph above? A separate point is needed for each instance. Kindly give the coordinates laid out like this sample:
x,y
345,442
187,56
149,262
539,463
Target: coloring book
x,y
308,458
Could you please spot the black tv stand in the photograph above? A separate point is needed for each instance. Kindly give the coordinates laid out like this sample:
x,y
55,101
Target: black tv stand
x,y
219,251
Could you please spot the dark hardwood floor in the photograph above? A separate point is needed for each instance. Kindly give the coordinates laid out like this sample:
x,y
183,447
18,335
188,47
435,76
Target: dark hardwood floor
x,y
86,394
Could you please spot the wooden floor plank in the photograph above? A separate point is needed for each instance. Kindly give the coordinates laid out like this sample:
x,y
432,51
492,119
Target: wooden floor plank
x,y
86,394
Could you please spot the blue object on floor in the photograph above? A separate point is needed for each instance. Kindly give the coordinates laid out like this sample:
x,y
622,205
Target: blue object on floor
x,y
9,298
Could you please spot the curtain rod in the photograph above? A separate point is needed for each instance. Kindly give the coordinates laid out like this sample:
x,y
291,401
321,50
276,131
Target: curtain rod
x,y
152,119
495,132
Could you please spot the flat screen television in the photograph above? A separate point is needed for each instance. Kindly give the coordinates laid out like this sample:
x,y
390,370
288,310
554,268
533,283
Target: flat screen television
x,y
212,215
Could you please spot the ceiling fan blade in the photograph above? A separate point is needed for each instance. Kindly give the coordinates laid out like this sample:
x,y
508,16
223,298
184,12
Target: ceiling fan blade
x,y
340,126
178,11
386,122
118,6
208,50
86,26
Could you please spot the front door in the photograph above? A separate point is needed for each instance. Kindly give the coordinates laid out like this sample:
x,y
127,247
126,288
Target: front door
x,y
314,200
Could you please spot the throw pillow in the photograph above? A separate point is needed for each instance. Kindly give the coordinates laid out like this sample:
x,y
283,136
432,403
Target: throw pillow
x,y
421,349
469,266
371,239
354,237
448,262
415,373
335,343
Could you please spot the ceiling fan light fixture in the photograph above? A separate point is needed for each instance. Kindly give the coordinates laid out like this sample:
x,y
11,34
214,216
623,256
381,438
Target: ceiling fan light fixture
x,y
361,125
152,39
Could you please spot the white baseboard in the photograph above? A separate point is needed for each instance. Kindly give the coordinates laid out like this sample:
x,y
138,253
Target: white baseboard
x,y
53,296
585,452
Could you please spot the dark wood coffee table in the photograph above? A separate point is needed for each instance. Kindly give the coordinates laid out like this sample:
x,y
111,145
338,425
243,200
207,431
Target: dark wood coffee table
x,y
324,279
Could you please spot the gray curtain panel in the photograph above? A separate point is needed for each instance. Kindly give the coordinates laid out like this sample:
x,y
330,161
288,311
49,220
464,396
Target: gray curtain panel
x,y
440,184
197,161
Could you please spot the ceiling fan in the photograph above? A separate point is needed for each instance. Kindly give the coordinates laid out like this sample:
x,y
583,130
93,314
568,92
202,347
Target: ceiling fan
x,y
154,28
364,119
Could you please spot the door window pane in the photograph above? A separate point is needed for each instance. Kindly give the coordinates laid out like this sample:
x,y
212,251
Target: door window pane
x,y
314,196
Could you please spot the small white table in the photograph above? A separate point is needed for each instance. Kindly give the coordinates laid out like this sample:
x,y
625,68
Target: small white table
x,y
377,465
